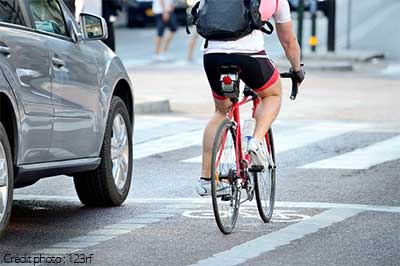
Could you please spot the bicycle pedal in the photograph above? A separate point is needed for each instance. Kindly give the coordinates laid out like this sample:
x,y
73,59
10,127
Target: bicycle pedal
x,y
256,168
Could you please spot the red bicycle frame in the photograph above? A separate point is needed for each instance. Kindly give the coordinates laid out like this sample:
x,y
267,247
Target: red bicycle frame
x,y
242,161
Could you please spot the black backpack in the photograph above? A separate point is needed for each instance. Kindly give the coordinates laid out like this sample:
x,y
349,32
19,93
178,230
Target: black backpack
x,y
227,20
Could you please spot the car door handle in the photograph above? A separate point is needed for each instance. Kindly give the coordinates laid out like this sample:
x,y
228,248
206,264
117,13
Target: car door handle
x,y
5,51
57,62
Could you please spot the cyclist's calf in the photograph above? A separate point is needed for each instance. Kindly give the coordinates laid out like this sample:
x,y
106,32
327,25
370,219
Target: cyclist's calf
x,y
268,109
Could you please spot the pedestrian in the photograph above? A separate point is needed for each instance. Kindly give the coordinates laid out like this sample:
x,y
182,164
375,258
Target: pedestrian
x,y
110,14
164,11
108,9
193,39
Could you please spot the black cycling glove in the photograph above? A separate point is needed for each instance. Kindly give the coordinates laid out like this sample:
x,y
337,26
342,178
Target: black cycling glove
x,y
299,75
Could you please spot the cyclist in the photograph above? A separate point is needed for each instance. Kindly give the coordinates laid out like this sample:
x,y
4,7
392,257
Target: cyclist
x,y
258,72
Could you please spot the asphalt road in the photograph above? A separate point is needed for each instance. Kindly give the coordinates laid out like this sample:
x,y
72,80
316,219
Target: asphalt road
x,y
348,215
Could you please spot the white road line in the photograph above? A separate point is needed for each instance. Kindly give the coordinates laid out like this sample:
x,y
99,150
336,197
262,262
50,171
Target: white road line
x,y
196,202
150,121
301,137
175,142
254,248
150,128
363,158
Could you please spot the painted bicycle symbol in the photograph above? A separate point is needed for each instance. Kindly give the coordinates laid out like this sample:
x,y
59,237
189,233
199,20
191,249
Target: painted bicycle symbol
x,y
279,216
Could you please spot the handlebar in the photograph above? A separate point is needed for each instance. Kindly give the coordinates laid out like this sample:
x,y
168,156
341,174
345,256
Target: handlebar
x,y
295,86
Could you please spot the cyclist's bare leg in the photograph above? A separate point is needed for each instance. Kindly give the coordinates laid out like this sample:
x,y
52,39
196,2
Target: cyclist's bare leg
x,y
221,108
268,109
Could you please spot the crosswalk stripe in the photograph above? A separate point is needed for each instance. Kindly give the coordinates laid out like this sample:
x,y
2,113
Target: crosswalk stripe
x,y
363,158
144,122
170,143
303,136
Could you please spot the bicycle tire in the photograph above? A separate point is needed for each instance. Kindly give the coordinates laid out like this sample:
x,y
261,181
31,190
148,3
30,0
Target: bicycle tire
x,y
226,207
266,199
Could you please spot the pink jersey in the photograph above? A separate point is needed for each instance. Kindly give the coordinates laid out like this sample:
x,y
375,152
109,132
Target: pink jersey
x,y
268,8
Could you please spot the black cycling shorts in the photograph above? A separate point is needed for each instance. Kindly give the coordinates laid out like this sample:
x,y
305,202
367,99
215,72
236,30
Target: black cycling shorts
x,y
256,70
172,24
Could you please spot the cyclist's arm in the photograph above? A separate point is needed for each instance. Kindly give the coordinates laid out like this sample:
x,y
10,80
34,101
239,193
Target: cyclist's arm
x,y
289,43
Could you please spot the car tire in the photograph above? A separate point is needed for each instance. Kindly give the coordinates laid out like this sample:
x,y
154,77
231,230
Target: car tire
x,y
6,180
101,187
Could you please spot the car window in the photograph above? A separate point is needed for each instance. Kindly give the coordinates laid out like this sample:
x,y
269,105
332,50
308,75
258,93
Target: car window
x,y
10,12
47,16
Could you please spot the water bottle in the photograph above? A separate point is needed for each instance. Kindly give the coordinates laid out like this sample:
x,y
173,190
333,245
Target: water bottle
x,y
247,132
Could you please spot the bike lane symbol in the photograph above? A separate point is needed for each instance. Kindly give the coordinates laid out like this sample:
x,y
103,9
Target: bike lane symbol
x,y
279,216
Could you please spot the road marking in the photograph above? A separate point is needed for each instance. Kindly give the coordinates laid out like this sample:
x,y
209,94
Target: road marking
x,y
198,201
254,248
336,212
303,136
125,226
279,215
170,143
363,158
109,232
55,251
156,128
140,221
91,238
74,244
98,236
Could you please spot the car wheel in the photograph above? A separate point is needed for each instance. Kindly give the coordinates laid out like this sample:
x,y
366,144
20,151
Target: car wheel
x,y
6,181
109,184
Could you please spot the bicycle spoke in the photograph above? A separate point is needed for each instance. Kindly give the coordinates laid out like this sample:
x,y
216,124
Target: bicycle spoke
x,y
224,193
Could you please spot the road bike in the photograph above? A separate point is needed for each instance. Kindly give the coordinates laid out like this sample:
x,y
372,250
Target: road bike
x,y
231,165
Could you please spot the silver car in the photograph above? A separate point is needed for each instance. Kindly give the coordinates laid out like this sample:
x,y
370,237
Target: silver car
x,y
66,104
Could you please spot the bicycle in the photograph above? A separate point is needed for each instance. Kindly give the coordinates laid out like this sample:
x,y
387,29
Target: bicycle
x,y
236,170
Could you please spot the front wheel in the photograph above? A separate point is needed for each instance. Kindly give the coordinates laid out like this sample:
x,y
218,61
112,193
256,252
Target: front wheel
x,y
225,190
109,184
265,182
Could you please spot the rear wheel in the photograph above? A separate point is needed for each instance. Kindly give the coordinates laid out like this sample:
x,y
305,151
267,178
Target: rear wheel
x,y
265,183
226,203
109,184
6,181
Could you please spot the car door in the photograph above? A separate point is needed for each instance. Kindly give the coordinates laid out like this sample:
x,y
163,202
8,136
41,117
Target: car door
x,y
74,82
24,58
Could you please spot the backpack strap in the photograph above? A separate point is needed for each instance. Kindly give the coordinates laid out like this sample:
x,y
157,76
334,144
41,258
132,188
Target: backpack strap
x,y
206,44
194,17
270,27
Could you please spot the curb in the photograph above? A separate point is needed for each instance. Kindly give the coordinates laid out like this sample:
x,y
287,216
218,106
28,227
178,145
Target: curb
x,y
152,106
320,66
348,56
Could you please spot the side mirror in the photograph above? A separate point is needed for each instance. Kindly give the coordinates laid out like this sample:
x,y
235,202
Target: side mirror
x,y
93,27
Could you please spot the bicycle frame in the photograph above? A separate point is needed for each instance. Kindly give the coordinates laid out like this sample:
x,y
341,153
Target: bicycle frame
x,y
242,161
